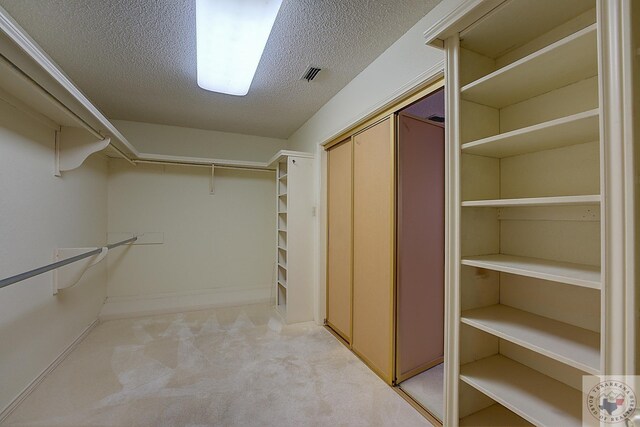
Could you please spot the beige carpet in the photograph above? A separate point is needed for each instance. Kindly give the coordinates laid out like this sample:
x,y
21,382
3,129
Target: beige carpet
x,y
221,367
427,389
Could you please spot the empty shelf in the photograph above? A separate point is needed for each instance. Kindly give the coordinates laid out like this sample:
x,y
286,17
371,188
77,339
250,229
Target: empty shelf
x,y
564,272
570,130
515,23
537,398
493,416
566,343
567,61
535,201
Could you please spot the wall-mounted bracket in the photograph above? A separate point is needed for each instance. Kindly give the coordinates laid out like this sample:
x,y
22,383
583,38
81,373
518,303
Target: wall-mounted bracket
x,y
69,275
73,146
212,188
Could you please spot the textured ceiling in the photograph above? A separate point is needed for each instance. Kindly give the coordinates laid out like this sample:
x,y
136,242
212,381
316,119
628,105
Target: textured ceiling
x,y
136,60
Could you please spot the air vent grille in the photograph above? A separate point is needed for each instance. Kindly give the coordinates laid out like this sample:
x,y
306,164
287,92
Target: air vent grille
x,y
311,73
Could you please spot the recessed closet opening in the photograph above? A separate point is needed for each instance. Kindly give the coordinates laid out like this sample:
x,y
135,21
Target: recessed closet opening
x,y
385,246
420,252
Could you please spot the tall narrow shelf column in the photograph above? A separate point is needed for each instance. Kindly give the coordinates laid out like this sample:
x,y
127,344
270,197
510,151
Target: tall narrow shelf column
x,y
528,304
294,235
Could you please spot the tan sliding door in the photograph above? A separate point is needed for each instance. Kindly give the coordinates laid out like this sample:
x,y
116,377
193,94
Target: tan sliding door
x,y
339,238
373,247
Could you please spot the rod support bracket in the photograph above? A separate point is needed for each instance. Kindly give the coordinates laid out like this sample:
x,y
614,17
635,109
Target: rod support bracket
x,y
212,188
69,275
73,146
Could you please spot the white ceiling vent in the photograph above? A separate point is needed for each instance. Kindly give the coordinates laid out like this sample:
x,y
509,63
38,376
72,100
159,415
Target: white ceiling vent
x,y
311,73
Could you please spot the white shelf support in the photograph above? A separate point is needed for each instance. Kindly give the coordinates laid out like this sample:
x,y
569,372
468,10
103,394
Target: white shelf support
x,y
69,275
617,183
73,146
212,188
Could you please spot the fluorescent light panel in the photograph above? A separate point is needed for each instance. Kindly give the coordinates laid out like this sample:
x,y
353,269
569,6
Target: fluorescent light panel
x,y
231,36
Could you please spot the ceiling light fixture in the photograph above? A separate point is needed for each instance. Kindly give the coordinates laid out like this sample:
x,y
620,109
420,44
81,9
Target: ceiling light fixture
x,y
230,38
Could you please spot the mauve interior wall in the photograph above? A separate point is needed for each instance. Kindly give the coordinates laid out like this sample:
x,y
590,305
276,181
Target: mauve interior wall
x,y
420,265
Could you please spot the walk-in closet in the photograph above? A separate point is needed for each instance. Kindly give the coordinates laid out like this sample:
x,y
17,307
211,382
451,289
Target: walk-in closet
x,y
257,213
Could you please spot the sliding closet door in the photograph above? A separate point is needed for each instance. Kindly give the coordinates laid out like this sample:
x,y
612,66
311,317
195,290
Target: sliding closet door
x,y
420,261
373,247
339,259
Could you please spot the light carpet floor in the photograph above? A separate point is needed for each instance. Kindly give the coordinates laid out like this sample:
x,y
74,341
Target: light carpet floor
x,y
221,367
427,389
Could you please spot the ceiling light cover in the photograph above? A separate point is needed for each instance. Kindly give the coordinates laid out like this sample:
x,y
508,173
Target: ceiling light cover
x,y
231,36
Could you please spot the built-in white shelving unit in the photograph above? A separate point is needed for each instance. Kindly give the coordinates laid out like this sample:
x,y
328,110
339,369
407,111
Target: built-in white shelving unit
x,y
294,230
533,99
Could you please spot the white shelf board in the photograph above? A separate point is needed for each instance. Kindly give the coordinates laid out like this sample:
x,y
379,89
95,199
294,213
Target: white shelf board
x,y
536,201
567,61
282,283
570,130
537,398
282,195
282,230
283,155
493,416
282,177
282,212
284,267
566,343
515,23
573,274
282,248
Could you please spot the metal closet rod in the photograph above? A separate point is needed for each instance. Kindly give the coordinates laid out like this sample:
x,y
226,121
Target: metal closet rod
x,y
37,271
202,165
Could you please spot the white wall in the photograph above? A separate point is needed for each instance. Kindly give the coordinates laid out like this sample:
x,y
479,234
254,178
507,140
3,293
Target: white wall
x,y
179,141
39,212
218,249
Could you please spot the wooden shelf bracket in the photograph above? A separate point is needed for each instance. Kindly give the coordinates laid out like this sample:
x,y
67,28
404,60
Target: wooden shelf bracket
x,y
73,146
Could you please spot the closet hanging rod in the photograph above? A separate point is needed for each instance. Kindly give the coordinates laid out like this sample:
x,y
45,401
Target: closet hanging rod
x,y
37,271
203,165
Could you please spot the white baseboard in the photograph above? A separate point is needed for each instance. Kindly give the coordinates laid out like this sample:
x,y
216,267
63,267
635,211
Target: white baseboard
x,y
29,389
145,305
